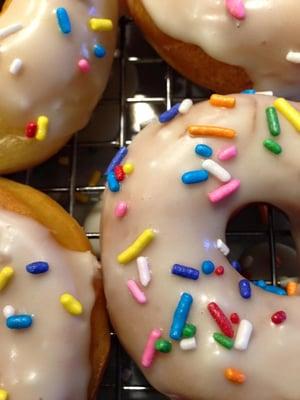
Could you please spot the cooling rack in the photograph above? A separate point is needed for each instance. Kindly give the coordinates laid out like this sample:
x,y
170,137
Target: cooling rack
x,y
142,86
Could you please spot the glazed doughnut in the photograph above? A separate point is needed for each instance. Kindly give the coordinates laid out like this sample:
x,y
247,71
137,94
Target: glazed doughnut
x,y
169,286
226,46
54,329
55,61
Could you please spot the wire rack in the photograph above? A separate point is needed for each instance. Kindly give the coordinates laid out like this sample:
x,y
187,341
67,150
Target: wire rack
x,y
141,87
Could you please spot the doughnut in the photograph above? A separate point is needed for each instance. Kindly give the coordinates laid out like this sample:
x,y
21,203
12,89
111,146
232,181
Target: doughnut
x,y
55,62
54,328
226,46
194,325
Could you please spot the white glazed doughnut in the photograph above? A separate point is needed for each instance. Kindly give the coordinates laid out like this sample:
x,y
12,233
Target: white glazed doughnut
x,y
55,62
169,222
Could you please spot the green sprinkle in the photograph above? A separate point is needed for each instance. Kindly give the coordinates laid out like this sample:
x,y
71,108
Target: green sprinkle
x,y
189,331
163,346
223,340
272,146
273,121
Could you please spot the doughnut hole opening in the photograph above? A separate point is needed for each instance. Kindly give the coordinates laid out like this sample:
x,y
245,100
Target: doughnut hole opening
x,y
4,4
260,240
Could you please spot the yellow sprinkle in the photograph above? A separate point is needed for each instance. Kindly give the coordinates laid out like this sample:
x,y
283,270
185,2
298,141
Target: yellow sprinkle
x,y
137,247
5,276
3,394
128,168
42,127
100,24
289,112
291,288
72,305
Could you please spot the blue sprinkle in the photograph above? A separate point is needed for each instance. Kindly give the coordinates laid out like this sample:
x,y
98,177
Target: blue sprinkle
x,y
203,150
99,51
63,20
118,158
180,316
38,267
196,176
249,91
236,265
185,272
22,321
113,184
245,288
208,267
270,288
169,114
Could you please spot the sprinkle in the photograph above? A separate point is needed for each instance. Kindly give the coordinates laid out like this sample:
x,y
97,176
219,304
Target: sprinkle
x,y
149,351
101,24
119,173
291,288
234,375
188,344
224,191
243,335
289,112
208,267
128,168
234,318
163,346
203,150
16,66
293,56
222,101
180,316
9,30
221,319
144,270
136,247
31,129
270,288
6,275
223,340
203,130
185,106
228,153
272,146
42,127
189,331
84,65
63,20
185,272
279,317
197,176
113,184
224,249
216,170
99,51
38,267
22,321
118,158
249,91
245,288
236,265
273,121
266,93
236,8
219,270
71,304
121,209
136,292
8,311
3,394
169,114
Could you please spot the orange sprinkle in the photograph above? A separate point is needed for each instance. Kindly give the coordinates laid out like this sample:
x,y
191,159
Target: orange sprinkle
x,y
291,288
234,375
222,101
206,130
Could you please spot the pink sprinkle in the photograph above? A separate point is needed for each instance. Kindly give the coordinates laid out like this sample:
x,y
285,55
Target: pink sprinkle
x,y
236,8
149,351
121,209
136,292
224,191
228,153
84,65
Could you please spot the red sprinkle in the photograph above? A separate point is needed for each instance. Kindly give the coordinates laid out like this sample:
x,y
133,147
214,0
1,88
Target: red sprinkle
x,y
221,319
234,318
31,129
219,270
119,173
278,317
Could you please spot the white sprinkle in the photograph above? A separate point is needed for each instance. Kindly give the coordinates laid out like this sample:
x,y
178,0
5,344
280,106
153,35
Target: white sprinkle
x,y
266,93
185,106
215,169
243,335
8,311
188,344
144,270
9,30
223,247
293,57
16,66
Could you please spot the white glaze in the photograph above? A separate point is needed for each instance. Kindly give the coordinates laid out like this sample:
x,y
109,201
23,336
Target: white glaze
x,y
50,360
187,227
259,44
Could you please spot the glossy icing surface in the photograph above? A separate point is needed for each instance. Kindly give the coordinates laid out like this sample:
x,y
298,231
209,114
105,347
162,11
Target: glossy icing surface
x,y
259,43
49,360
187,226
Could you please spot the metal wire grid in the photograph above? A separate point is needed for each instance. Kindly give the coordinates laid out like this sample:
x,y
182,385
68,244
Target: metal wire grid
x,y
123,380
